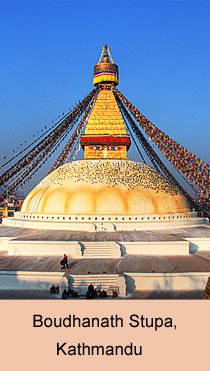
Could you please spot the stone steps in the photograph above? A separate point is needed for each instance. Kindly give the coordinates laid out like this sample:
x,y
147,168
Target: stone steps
x,y
95,251
94,254
108,282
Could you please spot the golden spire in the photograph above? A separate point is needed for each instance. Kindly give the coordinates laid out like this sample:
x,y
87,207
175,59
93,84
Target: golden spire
x,y
105,135
105,71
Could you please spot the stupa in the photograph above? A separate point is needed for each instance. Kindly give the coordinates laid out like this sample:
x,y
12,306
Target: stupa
x,y
106,206
104,187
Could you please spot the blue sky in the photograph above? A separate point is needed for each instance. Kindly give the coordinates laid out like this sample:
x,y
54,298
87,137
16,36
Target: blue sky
x,y
49,48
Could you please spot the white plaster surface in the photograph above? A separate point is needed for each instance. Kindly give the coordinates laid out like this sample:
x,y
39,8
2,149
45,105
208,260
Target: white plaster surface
x,y
166,281
19,280
127,283
105,223
10,280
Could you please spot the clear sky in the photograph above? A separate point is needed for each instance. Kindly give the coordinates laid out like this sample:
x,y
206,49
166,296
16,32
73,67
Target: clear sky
x,y
49,48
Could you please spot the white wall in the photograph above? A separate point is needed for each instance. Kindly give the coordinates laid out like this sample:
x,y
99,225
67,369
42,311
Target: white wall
x,y
48,248
10,280
107,223
74,249
155,248
166,281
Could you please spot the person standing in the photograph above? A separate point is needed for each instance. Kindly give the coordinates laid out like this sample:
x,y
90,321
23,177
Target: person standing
x,y
64,262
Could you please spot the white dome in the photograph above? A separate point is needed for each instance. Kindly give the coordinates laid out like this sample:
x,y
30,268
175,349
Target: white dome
x,y
104,187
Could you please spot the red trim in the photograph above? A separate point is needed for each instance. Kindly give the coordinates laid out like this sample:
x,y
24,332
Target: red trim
x,y
105,73
110,140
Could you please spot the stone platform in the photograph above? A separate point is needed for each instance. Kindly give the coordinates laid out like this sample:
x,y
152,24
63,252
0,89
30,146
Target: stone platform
x,y
130,273
129,263
179,241
171,260
104,223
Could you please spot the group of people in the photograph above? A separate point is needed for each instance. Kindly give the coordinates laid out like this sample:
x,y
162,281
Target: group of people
x,y
92,293
69,294
54,289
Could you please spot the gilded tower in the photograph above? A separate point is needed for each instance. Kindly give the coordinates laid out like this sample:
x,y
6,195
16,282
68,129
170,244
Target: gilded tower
x,y
105,135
